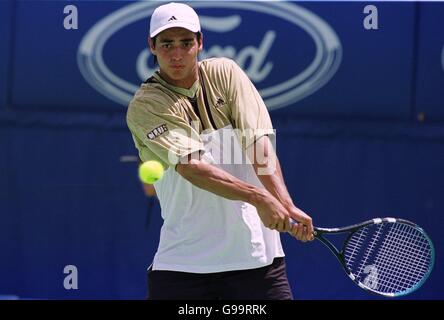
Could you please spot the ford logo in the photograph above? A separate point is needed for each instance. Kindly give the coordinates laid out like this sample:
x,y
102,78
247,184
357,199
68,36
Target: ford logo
x,y
281,82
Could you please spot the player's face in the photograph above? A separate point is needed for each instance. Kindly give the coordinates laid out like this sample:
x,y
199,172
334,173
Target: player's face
x,y
176,50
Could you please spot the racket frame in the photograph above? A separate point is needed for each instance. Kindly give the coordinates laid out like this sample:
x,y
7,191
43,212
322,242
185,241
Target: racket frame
x,y
319,232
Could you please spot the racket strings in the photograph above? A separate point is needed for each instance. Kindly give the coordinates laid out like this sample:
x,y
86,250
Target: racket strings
x,y
369,247
410,260
355,243
388,257
402,260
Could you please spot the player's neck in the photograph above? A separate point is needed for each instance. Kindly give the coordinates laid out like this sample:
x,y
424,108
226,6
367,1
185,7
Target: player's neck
x,y
186,82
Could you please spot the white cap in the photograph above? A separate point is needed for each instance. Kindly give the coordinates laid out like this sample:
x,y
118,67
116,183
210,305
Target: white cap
x,y
173,15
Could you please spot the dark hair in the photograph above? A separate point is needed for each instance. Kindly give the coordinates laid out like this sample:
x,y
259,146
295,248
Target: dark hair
x,y
198,38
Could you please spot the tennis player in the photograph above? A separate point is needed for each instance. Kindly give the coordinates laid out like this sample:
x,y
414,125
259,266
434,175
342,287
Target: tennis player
x,y
220,236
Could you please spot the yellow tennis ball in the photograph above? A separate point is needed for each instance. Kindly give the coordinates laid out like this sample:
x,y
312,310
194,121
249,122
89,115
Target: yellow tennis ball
x,y
150,171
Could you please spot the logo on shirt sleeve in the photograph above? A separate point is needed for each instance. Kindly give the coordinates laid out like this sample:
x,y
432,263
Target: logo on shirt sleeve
x,y
153,134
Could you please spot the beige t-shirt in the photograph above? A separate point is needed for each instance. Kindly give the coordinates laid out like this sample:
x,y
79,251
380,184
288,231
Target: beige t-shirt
x,y
225,97
203,232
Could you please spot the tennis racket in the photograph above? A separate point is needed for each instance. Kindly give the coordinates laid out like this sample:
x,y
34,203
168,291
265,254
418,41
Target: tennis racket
x,y
386,256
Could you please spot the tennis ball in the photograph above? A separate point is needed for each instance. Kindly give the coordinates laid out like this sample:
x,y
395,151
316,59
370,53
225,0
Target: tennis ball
x,y
150,171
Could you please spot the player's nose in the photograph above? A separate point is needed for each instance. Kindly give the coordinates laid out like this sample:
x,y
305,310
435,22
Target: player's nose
x,y
176,54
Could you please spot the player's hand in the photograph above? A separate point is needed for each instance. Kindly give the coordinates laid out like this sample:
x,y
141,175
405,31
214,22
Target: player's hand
x,y
272,213
303,229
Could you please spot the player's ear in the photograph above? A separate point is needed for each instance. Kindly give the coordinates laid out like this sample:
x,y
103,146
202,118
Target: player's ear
x,y
152,45
200,41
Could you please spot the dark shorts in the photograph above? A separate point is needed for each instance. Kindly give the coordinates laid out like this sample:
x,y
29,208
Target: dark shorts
x,y
266,283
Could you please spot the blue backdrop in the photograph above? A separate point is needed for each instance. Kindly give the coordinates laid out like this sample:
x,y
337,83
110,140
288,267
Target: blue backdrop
x,y
359,116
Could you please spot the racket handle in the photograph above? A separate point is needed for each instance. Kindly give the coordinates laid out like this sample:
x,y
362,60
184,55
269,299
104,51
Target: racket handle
x,y
292,221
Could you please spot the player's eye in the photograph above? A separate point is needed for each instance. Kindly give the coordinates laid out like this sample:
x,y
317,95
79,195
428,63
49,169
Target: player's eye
x,y
166,45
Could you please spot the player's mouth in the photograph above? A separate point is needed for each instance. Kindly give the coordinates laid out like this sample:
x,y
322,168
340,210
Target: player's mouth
x,y
177,67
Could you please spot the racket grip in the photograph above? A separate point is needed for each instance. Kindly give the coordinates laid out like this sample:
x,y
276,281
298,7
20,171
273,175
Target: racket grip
x,y
292,221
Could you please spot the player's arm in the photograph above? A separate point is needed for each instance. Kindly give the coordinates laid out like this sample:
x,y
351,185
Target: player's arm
x,y
250,115
267,167
215,180
149,190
